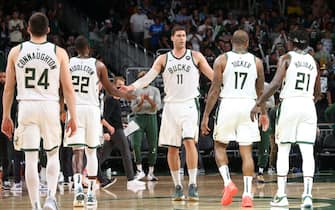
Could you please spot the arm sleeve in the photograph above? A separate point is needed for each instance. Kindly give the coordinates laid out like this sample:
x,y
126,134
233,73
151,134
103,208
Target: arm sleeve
x,y
146,79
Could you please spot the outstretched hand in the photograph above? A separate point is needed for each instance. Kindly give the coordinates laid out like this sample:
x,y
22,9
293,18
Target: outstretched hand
x,y
204,126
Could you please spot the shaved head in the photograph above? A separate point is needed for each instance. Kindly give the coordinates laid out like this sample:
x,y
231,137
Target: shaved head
x,y
240,37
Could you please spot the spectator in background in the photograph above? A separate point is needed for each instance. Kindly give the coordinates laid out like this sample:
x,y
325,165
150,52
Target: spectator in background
x,y
137,25
147,36
145,108
155,31
15,26
194,38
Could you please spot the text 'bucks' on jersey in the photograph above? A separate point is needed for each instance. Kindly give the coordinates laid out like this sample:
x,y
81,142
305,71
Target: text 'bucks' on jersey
x,y
37,72
180,77
300,76
239,76
85,80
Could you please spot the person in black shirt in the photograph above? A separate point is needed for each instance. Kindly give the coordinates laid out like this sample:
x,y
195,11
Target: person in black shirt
x,y
112,115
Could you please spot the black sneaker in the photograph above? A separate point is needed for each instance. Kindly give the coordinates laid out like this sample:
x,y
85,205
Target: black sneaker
x,y
108,182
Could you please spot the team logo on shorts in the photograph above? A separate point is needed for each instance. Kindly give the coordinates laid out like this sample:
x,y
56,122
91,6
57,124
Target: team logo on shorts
x,y
188,57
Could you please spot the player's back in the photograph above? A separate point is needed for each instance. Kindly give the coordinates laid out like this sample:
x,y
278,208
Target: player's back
x,y
239,76
300,76
85,80
37,72
180,77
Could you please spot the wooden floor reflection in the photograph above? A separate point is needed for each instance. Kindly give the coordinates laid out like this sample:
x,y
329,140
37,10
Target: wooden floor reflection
x,y
158,195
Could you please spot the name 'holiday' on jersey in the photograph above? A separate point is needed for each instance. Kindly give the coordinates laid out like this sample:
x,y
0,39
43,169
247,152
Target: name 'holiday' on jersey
x,y
239,76
300,76
180,77
37,72
85,80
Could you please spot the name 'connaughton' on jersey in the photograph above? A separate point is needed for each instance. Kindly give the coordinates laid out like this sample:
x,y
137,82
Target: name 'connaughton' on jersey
x,y
300,76
180,77
37,72
239,76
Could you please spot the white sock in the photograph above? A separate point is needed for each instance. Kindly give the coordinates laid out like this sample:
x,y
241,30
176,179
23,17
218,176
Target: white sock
x,y
52,171
77,179
308,184
192,175
247,185
32,179
176,177
91,186
151,170
261,170
139,167
43,173
224,171
281,181
92,162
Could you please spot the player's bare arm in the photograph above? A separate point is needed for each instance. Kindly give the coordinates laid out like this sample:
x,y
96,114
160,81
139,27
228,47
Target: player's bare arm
x,y
7,126
273,86
67,87
203,65
214,91
260,81
109,86
317,85
263,119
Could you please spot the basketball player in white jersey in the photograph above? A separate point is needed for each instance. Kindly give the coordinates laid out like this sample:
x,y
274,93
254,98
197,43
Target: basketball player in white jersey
x,y
296,115
87,72
180,120
38,68
241,76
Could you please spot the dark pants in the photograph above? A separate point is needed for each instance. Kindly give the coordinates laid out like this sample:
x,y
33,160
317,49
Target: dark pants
x,y
4,155
148,125
263,149
18,171
118,140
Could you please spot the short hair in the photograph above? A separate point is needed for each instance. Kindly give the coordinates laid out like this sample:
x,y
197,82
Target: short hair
x,y
299,38
240,37
38,24
177,28
81,43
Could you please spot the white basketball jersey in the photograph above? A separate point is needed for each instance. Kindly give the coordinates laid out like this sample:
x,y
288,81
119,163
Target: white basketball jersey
x,y
85,80
300,76
37,72
180,77
239,76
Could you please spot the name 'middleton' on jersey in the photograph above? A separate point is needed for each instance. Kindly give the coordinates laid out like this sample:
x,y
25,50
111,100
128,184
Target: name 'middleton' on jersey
x,y
300,76
239,76
180,77
37,72
85,80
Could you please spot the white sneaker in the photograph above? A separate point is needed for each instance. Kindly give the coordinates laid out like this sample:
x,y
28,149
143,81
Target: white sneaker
x,y
135,182
279,201
91,200
50,204
152,177
307,201
79,197
139,175
17,187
